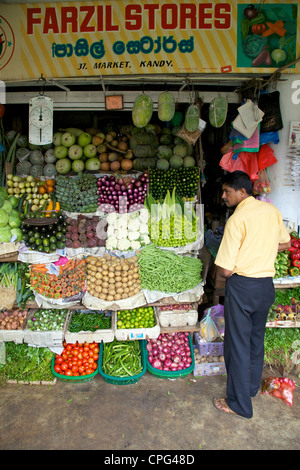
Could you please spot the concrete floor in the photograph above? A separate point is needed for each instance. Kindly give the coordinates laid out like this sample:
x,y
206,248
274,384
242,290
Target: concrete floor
x,y
153,414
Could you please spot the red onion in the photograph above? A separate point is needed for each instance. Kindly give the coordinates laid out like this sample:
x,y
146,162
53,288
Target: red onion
x,y
170,351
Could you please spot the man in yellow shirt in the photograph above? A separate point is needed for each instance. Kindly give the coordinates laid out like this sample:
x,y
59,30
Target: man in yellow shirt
x,y
252,237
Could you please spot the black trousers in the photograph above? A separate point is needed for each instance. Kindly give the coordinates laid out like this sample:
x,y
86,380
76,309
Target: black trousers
x,y
246,307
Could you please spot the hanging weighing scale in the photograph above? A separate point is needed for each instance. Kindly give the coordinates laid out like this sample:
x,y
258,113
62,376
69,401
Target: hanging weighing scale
x,y
40,120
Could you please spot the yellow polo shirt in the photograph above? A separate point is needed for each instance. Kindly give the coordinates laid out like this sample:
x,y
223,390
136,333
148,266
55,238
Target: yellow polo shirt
x,y
251,236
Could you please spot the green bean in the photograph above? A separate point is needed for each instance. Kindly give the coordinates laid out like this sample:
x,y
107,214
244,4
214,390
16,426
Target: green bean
x,y
166,271
122,358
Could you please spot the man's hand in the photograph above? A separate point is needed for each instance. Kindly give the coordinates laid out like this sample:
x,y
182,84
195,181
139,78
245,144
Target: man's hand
x,y
224,272
284,246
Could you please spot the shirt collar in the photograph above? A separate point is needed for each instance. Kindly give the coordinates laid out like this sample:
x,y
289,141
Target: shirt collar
x,y
245,202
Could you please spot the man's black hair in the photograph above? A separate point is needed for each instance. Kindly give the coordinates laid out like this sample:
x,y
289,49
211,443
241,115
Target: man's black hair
x,y
238,180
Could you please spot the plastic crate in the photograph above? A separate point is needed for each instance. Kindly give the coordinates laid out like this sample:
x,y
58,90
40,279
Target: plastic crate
x,y
105,335
128,380
124,334
72,378
165,374
209,349
209,368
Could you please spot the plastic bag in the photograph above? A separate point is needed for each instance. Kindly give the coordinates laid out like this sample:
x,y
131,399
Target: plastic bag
x,y
266,157
208,329
262,184
280,387
244,161
269,103
217,315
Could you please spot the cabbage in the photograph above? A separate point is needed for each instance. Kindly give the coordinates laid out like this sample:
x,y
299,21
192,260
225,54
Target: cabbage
x,y
3,218
3,192
5,234
18,233
14,220
14,201
7,206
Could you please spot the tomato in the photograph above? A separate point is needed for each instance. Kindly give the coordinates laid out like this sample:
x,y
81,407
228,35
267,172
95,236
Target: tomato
x,y
68,372
258,28
81,369
94,365
89,371
85,354
57,368
74,368
91,360
64,366
69,347
75,352
59,360
96,350
96,357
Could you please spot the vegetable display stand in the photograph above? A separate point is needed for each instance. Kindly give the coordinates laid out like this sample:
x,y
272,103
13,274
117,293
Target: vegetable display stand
x,y
169,374
126,380
106,334
72,378
43,338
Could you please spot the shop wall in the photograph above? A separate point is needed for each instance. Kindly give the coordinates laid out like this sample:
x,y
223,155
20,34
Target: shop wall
x,y
286,198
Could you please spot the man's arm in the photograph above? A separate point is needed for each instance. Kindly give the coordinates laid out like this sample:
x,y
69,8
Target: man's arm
x,y
224,272
284,246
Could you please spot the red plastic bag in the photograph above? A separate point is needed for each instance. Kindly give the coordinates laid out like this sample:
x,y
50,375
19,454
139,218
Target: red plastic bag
x,y
280,387
266,157
244,161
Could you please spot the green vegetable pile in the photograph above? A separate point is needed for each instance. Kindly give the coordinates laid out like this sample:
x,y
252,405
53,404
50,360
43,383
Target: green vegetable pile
x,y
122,358
170,222
280,346
77,194
26,363
47,320
168,272
282,264
24,292
9,275
184,179
89,321
140,317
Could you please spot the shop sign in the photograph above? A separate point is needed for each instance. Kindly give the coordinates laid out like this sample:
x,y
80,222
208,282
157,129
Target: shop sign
x,y
83,39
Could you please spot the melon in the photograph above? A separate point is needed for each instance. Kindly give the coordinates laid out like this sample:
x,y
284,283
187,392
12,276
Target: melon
x,y
166,106
189,161
165,139
142,110
191,119
49,156
22,154
176,162
162,164
36,157
165,152
181,150
218,111
36,170
49,170
63,166
23,168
